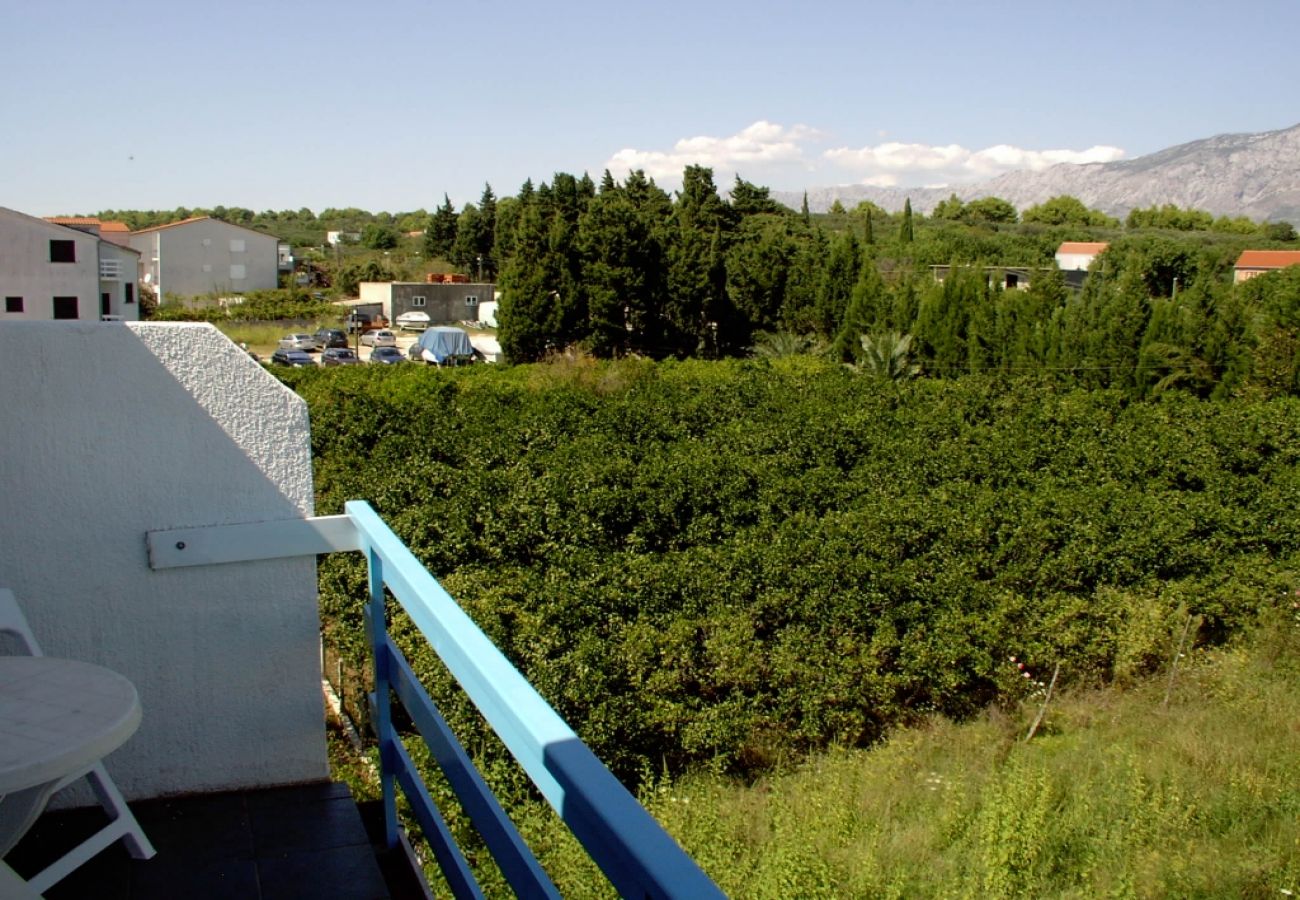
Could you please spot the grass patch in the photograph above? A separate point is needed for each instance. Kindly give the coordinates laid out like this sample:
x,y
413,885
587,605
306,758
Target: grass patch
x,y
1116,797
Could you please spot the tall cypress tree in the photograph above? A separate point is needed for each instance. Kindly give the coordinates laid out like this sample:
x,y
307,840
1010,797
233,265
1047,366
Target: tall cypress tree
x,y
905,230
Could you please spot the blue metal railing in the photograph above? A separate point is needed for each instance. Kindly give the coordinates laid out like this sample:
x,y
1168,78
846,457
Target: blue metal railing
x,y
629,846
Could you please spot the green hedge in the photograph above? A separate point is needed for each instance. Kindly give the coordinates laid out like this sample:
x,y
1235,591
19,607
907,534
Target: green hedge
x,y
733,563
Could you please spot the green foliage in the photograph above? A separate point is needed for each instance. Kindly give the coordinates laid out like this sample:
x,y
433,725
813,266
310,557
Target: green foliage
x,y
1067,210
906,231
441,233
989,209
256,306
1091,808
379,237
731,564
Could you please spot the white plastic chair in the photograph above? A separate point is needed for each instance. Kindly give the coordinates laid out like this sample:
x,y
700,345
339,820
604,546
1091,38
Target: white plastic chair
x,y
123,824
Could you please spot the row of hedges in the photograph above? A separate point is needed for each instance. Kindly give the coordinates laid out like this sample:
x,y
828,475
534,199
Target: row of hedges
x,y
731,563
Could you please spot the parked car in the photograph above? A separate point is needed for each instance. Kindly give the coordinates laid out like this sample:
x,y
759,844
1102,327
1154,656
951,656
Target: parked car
x,y
286,357
330,337
386,356
380,338
298,341
338,356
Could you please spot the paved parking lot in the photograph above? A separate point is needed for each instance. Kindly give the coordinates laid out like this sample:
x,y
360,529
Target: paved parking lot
x,y
404,341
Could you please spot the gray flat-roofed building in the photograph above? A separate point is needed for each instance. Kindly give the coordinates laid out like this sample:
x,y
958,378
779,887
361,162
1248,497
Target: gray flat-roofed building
x,y
444,303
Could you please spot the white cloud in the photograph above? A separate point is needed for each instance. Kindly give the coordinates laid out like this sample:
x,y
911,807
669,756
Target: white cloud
x,y
952,163
763,145
770,154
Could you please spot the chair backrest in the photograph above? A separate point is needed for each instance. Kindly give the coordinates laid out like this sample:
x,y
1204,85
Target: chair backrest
x,y
12,621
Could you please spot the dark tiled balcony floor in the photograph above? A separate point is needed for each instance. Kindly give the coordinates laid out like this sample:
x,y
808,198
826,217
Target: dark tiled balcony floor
x,y
297,842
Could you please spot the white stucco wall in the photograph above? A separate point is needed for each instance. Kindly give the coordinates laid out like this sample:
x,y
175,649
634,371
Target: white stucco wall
x,y
128,265
1071,262
26,270
112,430
199,257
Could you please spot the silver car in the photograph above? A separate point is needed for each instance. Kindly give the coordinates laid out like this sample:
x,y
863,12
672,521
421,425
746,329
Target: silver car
x,y
380,338
298,342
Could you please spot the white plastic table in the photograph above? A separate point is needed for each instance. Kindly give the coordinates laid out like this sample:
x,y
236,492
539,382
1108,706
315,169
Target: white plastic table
x,y
58,717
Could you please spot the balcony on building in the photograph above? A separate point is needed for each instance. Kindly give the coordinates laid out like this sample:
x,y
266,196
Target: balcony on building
x,y
160,522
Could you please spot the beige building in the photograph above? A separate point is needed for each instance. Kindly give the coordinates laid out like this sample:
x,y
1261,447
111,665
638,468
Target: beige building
x,y
56,271
1257,262
205,256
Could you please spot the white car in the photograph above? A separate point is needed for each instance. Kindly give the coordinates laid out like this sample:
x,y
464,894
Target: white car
x,y
380,338
298,342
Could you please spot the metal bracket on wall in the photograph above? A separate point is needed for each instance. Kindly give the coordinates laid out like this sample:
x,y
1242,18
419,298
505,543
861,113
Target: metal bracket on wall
x,y
245,542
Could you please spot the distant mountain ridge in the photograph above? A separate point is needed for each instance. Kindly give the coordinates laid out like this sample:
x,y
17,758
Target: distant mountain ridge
x,y
1255,175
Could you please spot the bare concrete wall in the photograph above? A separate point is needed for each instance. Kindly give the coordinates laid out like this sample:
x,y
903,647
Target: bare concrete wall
x,y
112,430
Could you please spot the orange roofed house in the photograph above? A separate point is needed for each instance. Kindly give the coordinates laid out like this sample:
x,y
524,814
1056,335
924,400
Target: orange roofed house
x,y
1075,256
1257,262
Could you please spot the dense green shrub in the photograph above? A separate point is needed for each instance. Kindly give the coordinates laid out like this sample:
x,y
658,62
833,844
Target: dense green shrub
x,y
731,563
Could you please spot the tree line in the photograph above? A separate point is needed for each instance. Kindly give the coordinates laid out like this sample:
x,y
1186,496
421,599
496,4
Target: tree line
x,y
625,268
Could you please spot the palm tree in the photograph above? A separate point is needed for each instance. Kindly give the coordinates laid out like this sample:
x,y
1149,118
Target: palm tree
x,y
778,344
888,355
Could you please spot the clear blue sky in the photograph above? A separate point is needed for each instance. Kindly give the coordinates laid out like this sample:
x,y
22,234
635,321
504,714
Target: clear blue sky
x,y
145,104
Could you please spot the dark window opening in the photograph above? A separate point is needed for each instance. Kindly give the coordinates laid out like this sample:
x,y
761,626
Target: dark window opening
x,y
105,304
13,304
65,308
63,251
1013,280
130,292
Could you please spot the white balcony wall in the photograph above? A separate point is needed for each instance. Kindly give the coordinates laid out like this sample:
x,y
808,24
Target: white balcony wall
x,y
113,430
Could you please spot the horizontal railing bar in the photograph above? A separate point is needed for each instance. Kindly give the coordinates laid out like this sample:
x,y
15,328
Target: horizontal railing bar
x,y
507,847
446,851
248,541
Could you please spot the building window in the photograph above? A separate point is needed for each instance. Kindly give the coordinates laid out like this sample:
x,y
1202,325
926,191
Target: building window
x,y
236,246
63,252
130,293
13,304
236,272
417,301
471,301
65,308
105,304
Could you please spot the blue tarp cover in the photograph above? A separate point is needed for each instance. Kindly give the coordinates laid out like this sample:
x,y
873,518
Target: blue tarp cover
x,y
442,341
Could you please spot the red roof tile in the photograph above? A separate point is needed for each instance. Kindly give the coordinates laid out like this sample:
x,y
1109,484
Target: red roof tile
x,y
1093,247
1268,259
73,220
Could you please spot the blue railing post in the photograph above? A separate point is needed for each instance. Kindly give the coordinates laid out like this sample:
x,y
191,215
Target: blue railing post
x,y
637,856
388,761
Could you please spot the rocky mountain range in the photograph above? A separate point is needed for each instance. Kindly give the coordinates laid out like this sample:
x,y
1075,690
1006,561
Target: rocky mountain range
x,y
1255,175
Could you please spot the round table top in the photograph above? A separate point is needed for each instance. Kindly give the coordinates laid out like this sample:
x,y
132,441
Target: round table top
x,y
58,717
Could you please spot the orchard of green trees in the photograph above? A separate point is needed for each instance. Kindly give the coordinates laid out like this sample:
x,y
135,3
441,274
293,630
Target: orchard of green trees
x,y
731,563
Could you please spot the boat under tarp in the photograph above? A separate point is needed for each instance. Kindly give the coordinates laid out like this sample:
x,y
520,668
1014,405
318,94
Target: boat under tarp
x,y
443,343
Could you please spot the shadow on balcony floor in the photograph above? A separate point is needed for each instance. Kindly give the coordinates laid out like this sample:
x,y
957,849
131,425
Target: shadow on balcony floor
x,y
307,841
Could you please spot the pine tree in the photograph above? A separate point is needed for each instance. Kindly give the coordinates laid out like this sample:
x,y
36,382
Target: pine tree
x,y
441,233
